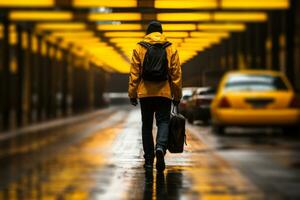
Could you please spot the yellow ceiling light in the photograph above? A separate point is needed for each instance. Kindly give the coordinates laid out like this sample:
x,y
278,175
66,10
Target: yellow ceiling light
x,y
84,42
78,37
185,48
103,3
185,56
195,45
240,16
209,34
183,17
201,40
31,3
129,44
39,15
222,27
124,34
61,26
115,16
107,54
255,4
125,40
180,4
118,27
95,45
73,34
64,44
179,27
175,40
176,34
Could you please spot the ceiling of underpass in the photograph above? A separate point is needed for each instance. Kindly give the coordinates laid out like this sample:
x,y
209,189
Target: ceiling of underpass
x,y
105,32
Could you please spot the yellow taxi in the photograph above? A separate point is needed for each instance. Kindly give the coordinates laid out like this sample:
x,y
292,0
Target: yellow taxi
x,y
255,98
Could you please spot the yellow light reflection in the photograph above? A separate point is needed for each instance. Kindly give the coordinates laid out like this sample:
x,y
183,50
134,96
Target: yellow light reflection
x,y
222,27
179,27
203,4
39,15
61,26
103,3
13,38
31,3
183,17
129,27
240,16
115,16
12,28
255,4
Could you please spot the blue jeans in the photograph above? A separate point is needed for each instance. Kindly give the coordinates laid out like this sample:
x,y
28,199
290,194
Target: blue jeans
x,y
161,107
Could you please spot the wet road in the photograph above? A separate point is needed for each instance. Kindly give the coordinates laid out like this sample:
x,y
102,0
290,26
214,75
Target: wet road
x,y
99,156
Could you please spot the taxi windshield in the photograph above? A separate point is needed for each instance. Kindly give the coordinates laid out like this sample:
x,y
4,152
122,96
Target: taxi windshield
x,y
255,82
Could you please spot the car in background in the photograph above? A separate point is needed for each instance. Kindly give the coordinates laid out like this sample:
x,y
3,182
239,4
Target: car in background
x,y
186,94
198,105
255,98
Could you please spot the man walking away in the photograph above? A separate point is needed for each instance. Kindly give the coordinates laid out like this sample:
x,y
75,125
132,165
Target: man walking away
x,y
155,79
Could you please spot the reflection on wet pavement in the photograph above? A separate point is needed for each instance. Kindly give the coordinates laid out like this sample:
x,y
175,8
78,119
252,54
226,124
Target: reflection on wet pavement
x,y
105,162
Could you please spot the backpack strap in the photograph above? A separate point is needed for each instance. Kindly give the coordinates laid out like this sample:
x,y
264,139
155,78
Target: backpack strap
x,y
166,44
145,44
148,45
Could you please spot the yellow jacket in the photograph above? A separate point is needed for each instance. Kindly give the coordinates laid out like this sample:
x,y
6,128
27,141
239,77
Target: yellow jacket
x,y
138,88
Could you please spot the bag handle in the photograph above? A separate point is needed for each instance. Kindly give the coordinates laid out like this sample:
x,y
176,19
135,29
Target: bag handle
x,y
175,109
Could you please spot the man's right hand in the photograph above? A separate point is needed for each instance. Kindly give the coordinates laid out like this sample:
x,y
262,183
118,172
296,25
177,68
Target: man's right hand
x,y
176,103
133,101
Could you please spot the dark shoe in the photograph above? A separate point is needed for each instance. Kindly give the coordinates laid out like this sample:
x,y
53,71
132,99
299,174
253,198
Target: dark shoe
x,y
160,160
148,164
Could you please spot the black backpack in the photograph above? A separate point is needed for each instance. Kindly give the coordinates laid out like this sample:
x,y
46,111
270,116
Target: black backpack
x,y
177,137
155,65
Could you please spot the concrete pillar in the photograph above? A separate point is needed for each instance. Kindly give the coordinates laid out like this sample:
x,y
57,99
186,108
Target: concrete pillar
x,y
290,41
20,76
64,81
48,85
39,79
5,81
274,33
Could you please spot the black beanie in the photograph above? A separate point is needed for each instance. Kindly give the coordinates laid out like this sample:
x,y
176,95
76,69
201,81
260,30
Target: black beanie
x,y
154,26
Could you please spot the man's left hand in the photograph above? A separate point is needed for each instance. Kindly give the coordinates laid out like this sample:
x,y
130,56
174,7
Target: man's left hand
x,y
133,101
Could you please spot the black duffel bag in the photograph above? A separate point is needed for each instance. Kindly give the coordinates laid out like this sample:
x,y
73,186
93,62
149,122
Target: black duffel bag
x,y
177,137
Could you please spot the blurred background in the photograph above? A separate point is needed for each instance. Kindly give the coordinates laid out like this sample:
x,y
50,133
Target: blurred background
x,y
64,68
59,58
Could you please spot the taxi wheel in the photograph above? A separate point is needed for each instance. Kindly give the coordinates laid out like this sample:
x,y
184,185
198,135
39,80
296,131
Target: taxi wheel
x,y
219,130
